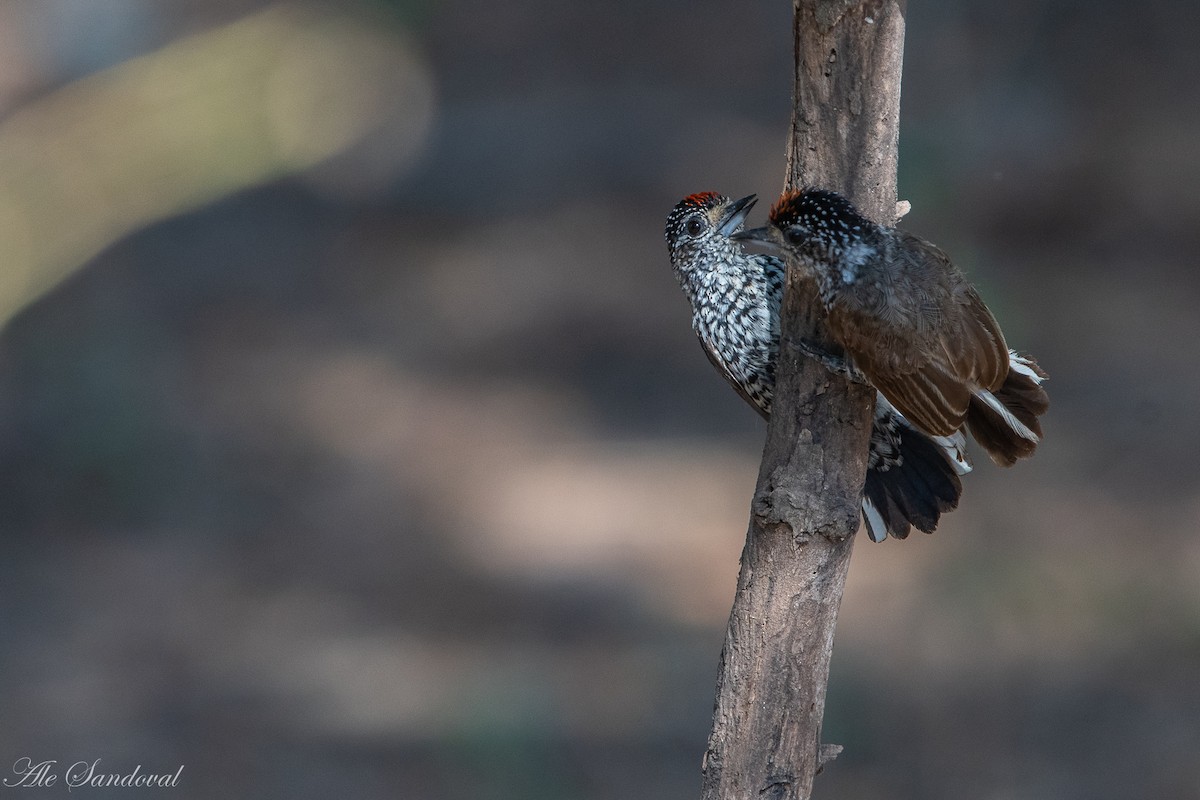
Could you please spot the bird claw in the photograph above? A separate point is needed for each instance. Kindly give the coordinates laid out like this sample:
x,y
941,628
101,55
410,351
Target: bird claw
x,y
838,365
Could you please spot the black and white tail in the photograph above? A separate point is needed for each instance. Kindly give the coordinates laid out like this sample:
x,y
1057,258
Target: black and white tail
x,y
1005,422
912,478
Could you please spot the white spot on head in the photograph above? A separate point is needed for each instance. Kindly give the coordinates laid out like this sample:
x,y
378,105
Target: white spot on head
x,y
859,254
853,258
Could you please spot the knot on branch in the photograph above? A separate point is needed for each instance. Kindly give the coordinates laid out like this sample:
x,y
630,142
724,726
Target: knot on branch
x,y
827,753
778,787
796,505
782,786
827,13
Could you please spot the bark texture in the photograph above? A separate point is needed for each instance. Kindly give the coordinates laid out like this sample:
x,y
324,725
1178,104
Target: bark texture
x,y
766,736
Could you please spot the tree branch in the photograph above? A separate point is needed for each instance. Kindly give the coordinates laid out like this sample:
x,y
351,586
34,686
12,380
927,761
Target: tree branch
x,y
770,701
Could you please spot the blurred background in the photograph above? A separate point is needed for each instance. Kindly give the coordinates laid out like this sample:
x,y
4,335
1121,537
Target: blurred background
x,y
354,441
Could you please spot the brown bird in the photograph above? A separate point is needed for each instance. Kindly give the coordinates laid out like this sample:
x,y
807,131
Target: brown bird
x,y
912,478
911,324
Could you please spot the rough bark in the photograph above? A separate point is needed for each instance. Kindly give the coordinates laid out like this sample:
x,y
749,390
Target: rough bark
x,y
770,701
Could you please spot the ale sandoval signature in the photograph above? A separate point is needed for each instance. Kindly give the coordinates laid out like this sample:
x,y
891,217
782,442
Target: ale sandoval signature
x,y
30,773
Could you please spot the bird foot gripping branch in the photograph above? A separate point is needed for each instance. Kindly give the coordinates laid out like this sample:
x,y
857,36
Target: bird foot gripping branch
x,y
838,365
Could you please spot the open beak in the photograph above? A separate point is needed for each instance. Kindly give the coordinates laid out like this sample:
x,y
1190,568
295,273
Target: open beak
x,y
759,236
735,215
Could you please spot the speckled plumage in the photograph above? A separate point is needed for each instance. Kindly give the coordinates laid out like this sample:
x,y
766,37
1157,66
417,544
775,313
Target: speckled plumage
x,y
735,303
735,298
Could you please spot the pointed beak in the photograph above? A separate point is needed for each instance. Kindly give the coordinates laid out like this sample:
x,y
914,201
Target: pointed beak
x,y
759,236
735,215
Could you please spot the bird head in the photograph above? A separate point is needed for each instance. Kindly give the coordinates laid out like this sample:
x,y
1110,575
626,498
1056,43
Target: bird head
x,y
812,224
700,226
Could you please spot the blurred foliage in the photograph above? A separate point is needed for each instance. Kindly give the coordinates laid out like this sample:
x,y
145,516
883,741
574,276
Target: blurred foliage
x,y
208,115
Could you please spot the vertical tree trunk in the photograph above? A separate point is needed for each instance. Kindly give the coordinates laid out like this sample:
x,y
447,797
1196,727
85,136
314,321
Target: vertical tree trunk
x,y
766,732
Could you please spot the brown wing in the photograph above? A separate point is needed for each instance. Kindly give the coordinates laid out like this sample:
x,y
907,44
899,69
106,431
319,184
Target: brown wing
x,y
981,355
931,398
927,342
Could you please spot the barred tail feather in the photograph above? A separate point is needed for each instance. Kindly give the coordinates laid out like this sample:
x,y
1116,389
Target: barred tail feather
x,y
931,480
955,448
1027,366
876,524
916,489
1006,421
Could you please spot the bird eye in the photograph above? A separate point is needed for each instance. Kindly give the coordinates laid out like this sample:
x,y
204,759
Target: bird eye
x,y
694,226
796,235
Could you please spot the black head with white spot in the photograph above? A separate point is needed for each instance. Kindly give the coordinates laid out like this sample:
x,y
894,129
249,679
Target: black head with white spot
x,y
822,234
815,222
